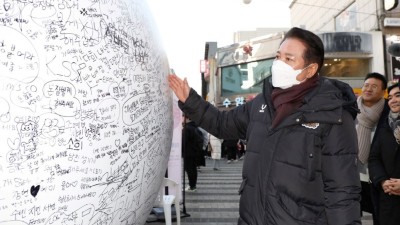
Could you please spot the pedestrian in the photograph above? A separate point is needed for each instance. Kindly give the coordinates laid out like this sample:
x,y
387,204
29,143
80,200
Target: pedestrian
x,y
231,148
242,149
384,161
301,157
371,103
192,145
215,145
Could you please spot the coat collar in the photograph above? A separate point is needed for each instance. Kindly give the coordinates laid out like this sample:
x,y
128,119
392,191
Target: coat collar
x,y
324,104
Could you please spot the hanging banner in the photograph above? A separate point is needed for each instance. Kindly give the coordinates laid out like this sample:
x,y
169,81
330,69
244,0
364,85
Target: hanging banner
x,y
175,157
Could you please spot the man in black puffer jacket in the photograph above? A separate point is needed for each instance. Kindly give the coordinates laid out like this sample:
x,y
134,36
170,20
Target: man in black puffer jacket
x,y
192,141
301,159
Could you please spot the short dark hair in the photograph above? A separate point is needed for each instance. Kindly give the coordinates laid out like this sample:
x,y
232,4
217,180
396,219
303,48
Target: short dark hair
x,y
314,52
393,85
377,76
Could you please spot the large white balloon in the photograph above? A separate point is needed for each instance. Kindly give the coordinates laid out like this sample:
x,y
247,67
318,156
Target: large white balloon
x,y
85,112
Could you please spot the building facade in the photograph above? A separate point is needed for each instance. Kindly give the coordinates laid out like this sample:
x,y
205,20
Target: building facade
x,y
355,16
359,36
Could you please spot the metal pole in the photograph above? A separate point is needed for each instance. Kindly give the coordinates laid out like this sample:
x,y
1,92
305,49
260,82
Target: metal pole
x,y
183,156
203,87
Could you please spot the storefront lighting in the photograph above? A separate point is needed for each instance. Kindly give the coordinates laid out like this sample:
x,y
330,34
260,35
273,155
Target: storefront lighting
x,y
394,38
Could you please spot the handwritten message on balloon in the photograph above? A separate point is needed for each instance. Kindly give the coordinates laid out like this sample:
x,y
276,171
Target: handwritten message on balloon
x,y
85,112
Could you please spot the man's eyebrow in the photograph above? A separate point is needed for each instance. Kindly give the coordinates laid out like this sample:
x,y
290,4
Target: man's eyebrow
x,y
373,85
396,93
290,55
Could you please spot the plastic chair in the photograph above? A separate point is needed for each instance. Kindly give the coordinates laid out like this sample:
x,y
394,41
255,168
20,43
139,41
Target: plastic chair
x,y
167,200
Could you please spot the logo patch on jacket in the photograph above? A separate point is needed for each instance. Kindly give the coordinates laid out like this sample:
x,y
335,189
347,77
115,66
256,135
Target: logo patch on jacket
x,y
262,108
310,125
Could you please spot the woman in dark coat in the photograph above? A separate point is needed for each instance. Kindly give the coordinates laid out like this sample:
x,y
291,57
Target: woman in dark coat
x,y
384,161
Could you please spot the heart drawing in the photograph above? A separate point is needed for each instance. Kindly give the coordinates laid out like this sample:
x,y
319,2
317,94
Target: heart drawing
x,y
35,190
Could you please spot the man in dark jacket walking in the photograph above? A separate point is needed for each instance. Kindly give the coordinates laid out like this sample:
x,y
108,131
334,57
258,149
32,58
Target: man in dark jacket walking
x,y
192,142
301,158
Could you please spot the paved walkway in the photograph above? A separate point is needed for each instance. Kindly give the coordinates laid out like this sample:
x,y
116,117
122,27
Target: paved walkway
x,y
216,201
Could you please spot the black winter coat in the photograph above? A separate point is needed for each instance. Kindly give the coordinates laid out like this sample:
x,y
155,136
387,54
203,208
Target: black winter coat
x,y
231,143
304,171
192,145
383,164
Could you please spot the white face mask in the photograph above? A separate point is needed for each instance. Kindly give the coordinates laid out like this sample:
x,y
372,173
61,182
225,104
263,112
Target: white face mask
x,y
283,75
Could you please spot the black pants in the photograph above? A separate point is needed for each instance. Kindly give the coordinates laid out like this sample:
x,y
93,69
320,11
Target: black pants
x,y
231,152
369,200
191,170
366,200
375,203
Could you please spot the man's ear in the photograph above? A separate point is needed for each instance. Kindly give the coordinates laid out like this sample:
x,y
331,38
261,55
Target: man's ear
x,y
312,70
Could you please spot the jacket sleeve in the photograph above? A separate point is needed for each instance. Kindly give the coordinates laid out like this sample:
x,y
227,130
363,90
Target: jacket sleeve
x,y
230,124
340,174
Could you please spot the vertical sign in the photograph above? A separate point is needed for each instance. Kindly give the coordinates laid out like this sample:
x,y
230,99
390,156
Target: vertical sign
x,y
204,68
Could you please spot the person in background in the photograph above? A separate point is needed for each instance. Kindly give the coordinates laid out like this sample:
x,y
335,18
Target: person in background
x,y
371,103
215,145
384,161
301,156
192,147
231,147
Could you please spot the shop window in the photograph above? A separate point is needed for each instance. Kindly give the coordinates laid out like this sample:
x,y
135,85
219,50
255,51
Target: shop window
x,y
345,68
244,78
247,78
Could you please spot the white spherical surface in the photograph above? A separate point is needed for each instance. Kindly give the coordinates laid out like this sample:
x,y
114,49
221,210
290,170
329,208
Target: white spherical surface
x,y
246,1
85,112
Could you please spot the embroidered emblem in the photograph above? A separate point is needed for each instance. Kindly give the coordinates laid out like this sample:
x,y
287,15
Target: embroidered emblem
x,y
262,108
310,125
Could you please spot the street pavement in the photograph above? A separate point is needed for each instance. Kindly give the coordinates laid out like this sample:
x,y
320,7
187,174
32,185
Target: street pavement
x,y
216,201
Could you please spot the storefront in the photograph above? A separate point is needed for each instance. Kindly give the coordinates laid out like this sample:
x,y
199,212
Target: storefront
x,y
241,67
